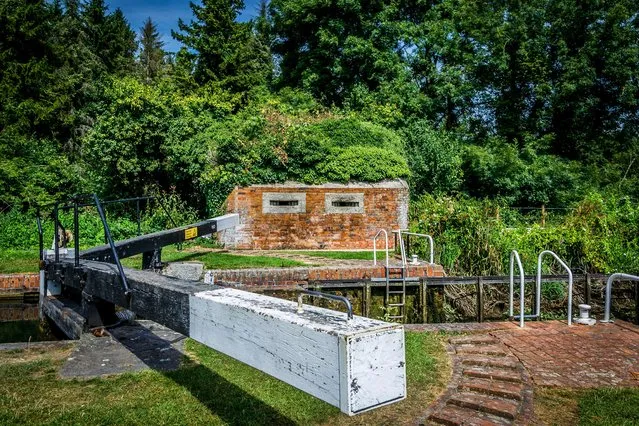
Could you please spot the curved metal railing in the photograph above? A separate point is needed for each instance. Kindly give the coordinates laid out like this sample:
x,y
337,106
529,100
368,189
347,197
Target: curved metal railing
x,y
430,243
375,246
514,255
611,279
538,295
311,293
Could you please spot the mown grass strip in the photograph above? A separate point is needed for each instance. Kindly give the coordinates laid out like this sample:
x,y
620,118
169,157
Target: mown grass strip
x,y
210,388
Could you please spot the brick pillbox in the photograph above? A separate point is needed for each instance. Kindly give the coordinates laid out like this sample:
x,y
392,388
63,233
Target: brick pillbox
x,y
330,216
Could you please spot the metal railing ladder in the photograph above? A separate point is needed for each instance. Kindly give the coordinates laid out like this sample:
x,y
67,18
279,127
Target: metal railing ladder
x,y
396,309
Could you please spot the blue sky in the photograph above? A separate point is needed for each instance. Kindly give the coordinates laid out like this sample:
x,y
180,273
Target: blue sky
x,y
165,14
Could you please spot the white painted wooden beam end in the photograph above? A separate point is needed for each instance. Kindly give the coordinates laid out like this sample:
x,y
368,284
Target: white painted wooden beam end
x,y
355,365
227,221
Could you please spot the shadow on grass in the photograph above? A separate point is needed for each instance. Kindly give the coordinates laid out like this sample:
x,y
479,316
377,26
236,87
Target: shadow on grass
x,y
222,398
226,400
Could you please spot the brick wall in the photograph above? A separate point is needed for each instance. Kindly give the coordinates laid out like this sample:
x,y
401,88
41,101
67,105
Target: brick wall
x,y
19,283
291,277
385,206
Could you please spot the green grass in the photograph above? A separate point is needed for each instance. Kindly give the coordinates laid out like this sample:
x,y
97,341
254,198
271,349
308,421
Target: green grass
x,y
210,388
618,407
215,260
359,255
588,407
16,261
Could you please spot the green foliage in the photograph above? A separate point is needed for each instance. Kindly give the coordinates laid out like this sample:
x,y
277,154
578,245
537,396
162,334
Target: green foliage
x,y
471,237
328,49
364,164
151,137
434,159
151,60
521,177
266,145
223,50
20,232
530,104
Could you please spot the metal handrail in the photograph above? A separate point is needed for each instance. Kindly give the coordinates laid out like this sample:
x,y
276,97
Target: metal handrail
x,y
402,250
430,243
611,279
514,255
375,246
538,295
107,233
311,293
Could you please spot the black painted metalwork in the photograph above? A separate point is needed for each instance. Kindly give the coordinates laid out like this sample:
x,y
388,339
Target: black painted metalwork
x,y
151,242
76,233
107,233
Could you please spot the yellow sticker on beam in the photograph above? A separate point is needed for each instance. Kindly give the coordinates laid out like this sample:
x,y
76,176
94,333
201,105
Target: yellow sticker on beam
x,y
190,233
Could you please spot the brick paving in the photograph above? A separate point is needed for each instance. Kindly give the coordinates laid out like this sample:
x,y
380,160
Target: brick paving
x,y
496,365
489,386
577,356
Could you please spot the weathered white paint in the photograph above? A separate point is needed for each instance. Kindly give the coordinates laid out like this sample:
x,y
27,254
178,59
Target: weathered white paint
x,y
355,365
227,221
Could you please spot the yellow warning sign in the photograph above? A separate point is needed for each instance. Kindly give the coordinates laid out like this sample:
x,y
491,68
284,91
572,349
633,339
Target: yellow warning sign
x,y
190,233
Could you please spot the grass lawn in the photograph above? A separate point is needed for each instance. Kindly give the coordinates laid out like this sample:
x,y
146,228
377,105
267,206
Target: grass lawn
x,y
16,261
215,260
210,388
605,406
359,255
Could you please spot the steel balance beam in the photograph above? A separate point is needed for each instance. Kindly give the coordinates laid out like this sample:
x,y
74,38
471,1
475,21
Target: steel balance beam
x,y
155,241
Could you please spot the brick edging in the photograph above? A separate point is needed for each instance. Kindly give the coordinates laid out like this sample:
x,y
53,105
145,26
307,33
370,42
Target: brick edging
x,y
19,282
274,277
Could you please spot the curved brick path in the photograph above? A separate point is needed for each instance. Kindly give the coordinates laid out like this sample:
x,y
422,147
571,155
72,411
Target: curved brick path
x,y
495,368
489,386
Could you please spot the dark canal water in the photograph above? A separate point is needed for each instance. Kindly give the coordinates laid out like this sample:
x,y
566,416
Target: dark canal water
x,y
19,322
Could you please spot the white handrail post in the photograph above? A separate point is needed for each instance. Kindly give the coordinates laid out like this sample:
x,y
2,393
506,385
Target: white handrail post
x,y
611,279
563,264
432,249
375,246
515,256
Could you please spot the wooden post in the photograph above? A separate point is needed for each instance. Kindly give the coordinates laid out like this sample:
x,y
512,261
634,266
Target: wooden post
x,y
480,300
588,289
424,300
543,215
637,302
367,300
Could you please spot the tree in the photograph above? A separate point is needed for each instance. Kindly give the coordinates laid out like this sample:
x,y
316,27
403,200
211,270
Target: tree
x,y
151,53
328,48
110,36
210,35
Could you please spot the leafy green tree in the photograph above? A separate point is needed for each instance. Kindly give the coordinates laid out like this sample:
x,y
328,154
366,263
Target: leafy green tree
x,y
328,48
222,50
594,53
151,57
434,158
109,36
